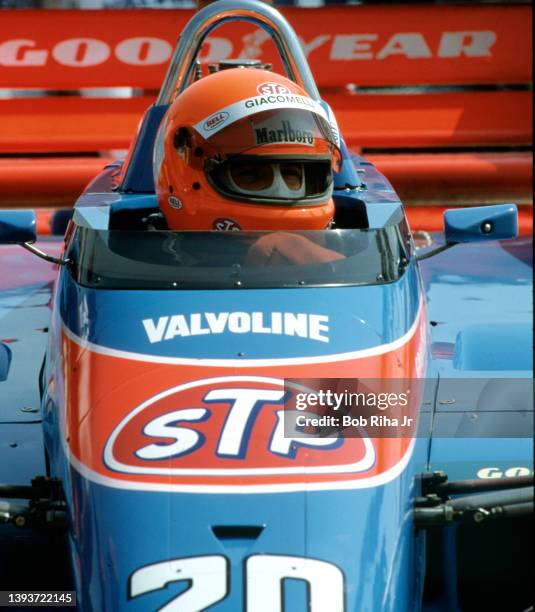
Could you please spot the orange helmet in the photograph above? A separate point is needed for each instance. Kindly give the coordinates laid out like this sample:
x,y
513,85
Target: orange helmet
x,y
246,149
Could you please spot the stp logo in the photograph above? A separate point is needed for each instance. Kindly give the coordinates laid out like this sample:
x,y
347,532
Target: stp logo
x,y
220,428
270,89
226,225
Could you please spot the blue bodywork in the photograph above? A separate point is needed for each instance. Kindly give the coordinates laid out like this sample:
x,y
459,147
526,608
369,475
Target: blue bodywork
x,y
372,537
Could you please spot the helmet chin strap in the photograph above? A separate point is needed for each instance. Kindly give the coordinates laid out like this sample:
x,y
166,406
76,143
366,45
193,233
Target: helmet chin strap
x,y
277,189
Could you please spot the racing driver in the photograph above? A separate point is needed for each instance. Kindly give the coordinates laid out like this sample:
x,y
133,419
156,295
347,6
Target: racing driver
x,y
248,149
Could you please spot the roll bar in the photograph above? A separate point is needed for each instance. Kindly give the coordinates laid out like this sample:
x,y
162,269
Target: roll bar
x,y
253,11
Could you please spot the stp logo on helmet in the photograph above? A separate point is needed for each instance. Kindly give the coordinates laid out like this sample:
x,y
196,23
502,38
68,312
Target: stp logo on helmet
x,y
215,120
270,89
226,225
213,430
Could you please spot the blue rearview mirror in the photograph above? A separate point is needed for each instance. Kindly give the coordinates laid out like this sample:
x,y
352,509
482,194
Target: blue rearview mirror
x,y
497,222
17,226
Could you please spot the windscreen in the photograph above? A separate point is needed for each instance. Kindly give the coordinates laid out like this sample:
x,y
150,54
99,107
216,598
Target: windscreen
x,y
202,260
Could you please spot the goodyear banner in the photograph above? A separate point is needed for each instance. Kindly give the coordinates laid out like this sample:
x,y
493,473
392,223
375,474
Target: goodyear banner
x,y
365,45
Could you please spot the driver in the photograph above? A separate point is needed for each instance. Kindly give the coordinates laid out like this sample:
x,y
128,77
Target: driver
x,y
247,149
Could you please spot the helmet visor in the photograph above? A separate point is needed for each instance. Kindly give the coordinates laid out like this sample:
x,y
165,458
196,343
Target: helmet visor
x,y
260,177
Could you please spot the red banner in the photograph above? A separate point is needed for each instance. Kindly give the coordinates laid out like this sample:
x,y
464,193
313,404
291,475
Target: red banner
x,y
365,45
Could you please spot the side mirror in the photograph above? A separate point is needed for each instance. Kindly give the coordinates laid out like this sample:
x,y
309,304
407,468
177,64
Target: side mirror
x,y
17,226
477,223
498,222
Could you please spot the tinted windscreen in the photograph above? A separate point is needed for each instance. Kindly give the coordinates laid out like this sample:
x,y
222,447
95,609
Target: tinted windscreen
x,y
204,260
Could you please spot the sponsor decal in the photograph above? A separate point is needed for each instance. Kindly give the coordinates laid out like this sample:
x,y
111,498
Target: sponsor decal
x,y
250,106
227,426
85,52
215,120
286,133
192,425
280,101
266,89
174,202
301,325
512,472
226,225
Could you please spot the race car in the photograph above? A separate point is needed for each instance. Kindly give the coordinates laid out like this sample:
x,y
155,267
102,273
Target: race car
x,y
164,447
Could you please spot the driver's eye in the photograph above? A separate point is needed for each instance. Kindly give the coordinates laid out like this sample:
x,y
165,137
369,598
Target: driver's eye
x,y
254,177
292,175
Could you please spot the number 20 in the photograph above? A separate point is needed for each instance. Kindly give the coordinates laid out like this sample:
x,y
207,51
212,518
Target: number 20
x,y
264,575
